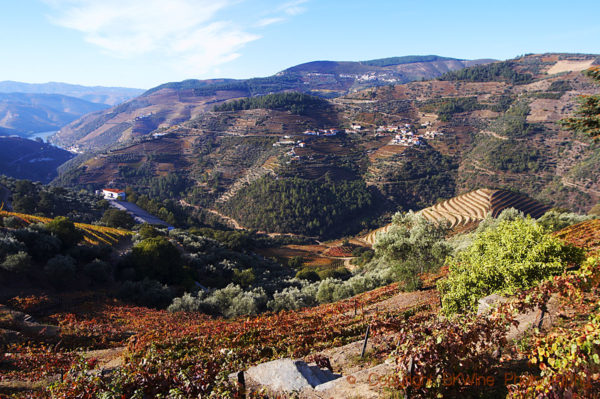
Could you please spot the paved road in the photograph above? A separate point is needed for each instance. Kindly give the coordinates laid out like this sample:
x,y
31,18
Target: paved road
x,y
140,215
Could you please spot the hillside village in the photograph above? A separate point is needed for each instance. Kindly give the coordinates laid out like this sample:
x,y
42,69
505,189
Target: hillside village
x,y
402,135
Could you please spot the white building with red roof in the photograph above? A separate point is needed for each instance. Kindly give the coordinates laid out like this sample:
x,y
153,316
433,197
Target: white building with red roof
x,y
113,194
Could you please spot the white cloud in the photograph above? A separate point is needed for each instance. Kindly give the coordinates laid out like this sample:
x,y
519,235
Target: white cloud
x,y
269,21
293,7
187,33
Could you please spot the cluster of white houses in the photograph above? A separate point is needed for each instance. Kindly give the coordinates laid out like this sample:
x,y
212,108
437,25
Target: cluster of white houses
x,y
432,134
403,134
409,139
393,128
144,116
287,140
322,132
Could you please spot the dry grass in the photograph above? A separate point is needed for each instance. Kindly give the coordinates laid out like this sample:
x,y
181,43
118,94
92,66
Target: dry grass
x,y
569,66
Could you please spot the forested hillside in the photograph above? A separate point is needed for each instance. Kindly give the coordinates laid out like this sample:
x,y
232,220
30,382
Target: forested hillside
x,y
308,207
296,103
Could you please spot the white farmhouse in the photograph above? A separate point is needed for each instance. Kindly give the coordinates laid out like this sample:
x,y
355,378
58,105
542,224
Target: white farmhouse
x,y
113,194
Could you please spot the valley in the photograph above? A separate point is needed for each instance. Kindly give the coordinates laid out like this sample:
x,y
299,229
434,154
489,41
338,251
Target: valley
x,y
31,113
25,114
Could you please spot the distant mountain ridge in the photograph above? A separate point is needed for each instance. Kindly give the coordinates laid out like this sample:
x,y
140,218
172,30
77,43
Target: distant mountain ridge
x,y
96,94
27,113
390,70
177,102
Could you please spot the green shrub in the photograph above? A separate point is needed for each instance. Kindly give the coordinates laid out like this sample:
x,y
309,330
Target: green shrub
x,y
117,218
243,278
514,255
98,271
17,263
413,246
513,123
86,253
327,290
363,256
233,301
514,157
358,251
447,107
157,258
65,230
147,292
560,85
12,222
302,206
186,303
293,298
41,245
586,116
9,245
555,220
461,242
147,231
494,72
308,274
296,262
60,271
340,273
296,103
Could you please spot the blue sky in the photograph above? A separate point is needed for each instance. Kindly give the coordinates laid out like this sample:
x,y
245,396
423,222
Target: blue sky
x,y
142,43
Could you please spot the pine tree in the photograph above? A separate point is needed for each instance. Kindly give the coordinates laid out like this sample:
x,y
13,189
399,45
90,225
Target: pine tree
x,y
588,114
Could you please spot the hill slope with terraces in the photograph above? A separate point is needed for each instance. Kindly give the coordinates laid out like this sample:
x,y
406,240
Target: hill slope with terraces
x,y
495,125
473,207
584,235
173,103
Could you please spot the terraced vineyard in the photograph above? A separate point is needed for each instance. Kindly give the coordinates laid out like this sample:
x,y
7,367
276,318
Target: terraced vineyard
x,y
471,208
250,176
92,234
386,151
585,235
